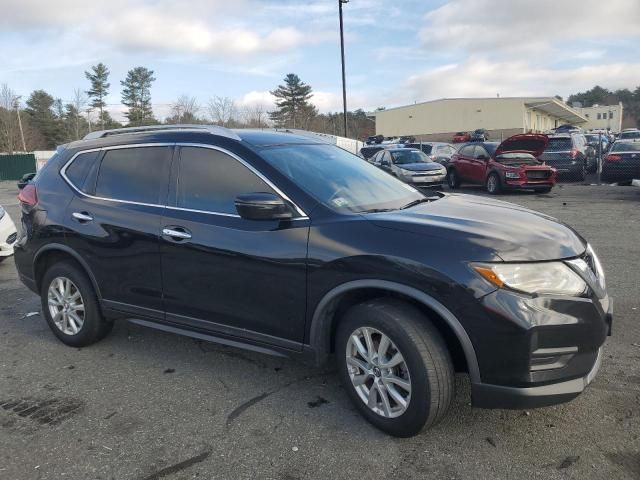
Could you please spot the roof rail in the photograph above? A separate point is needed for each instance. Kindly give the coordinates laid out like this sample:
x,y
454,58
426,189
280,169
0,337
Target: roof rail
x,y
213,129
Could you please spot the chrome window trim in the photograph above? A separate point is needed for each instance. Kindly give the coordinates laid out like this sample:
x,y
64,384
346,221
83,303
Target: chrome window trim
x,y
63,173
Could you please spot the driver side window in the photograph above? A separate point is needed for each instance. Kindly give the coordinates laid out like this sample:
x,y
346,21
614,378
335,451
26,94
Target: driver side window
x,y
480,153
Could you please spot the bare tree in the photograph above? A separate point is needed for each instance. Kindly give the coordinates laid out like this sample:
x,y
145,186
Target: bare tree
x,y
184,110
78,102
221,110
9,130
256,116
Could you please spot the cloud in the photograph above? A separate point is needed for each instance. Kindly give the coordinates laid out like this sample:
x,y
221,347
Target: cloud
x,y
214,28
519,26
478,77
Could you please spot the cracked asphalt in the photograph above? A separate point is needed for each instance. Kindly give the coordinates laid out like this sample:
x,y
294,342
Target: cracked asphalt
x,y
144,404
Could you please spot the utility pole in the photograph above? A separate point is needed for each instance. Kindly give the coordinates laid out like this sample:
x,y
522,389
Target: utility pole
x,y
344,86
17,105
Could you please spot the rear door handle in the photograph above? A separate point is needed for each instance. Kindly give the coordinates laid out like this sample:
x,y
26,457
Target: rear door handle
x,y
176,233
82,217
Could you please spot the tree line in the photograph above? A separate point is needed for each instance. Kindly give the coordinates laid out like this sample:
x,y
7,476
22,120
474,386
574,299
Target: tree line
x,y
42,122
602,96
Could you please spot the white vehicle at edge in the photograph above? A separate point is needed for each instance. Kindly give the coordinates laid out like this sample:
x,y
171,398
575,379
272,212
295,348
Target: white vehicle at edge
x,y
8,234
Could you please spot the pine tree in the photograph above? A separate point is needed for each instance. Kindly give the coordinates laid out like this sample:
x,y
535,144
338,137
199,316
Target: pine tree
x,y
98,76
136,95
292,100
40,107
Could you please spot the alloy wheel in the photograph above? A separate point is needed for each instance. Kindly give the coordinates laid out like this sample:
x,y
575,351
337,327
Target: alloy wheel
x,y
492,183
378,372
66,305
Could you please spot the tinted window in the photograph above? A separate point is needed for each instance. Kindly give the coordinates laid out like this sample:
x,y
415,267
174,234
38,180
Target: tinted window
x,y
135,174
335,178
559,145
490,147
630,135
210,180
80,167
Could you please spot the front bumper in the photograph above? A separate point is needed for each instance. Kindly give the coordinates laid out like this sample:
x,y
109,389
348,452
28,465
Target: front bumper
x,y
497,396
535,351
425,180
8,236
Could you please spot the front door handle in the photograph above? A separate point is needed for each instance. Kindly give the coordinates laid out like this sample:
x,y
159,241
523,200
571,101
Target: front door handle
x,y
176,234
82,217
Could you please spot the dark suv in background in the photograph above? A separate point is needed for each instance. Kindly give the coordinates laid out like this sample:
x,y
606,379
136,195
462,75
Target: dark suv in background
x,y
571,156
283,245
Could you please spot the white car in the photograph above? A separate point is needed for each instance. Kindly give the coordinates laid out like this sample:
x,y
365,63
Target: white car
x,y
8,234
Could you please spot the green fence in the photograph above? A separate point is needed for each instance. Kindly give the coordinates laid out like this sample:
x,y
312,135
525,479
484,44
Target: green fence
x,y
13,167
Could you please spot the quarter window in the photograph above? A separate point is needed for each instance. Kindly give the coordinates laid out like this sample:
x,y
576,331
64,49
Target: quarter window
x,y
210,180
135,174
79,169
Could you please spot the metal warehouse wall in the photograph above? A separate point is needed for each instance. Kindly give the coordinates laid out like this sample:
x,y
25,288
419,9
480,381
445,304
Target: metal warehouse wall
x,y
13,167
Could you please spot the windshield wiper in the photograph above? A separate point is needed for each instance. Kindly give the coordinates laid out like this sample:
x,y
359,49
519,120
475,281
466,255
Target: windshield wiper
x,y
376,210
419,201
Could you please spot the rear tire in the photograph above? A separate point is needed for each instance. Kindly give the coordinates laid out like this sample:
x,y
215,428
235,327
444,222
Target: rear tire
x,y
452,179
429,370
70,306
494,186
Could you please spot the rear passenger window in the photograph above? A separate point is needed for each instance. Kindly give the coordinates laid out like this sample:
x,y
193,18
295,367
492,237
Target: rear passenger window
x,y
135,174
79,169
210,180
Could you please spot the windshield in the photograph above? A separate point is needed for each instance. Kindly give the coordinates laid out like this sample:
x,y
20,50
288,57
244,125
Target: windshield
x,y
405,157
559,145
338,179
626,147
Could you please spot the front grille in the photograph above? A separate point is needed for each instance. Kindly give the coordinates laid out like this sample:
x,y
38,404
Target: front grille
x,y
538,174
12,238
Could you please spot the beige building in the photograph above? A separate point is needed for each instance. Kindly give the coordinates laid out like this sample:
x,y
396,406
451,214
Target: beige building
x,y
439,120
602,117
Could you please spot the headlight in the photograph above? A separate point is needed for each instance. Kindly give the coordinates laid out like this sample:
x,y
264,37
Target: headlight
x,y
512,175
553,278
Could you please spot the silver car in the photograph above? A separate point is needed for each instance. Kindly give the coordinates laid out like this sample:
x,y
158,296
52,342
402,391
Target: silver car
x,y
411,166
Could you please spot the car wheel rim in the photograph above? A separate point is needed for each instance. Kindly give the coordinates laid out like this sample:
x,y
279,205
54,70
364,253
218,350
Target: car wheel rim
x,y
452,179
491,186
66,305
378,372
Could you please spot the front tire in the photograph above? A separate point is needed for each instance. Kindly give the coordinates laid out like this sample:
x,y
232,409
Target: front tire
x,y
70,306
395,366
494,187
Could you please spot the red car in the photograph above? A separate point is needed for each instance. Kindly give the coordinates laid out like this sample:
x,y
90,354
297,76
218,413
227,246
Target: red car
x,y
462,137
501,166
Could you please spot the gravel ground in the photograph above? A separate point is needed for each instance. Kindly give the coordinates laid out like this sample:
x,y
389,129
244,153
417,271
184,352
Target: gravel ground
x,y
143,404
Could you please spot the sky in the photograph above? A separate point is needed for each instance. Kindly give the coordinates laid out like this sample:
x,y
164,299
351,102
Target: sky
x,y
397,52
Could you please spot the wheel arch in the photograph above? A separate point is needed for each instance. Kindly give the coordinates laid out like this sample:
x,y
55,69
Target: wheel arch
x,y
327,312
44,257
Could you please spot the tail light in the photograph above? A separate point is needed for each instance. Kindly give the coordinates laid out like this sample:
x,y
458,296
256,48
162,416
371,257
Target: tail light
x,y
574,152
613,158
28,195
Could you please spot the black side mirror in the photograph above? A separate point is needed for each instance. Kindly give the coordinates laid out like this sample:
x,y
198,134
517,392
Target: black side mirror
x,y
482,157
385,163
262,206
25,180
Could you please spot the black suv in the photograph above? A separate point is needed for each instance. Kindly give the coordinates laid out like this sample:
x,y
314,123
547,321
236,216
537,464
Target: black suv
x,y
571,156
279,244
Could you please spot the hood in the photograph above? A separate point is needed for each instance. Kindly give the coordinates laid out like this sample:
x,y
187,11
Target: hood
x,y
523,143
509,231
420,166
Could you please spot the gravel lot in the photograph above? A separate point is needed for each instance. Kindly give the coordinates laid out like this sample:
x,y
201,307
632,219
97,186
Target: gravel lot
x,y
143,404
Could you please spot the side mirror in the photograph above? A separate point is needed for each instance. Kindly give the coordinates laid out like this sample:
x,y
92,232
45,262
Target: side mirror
x,y
385,163
482,157
262,206
25,180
